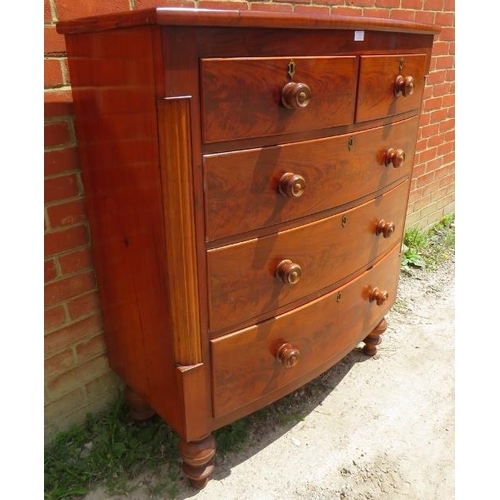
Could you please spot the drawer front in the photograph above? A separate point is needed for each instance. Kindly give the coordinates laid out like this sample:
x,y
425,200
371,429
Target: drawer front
x,y
242,98
377,81
244,364
243,188
249,279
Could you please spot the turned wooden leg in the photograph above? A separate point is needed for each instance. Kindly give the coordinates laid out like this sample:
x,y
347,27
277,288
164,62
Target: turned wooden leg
x,y
373,340
138,408
198,460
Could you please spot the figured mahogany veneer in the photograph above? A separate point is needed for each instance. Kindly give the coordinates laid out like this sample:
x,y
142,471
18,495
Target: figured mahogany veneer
x,y
246,177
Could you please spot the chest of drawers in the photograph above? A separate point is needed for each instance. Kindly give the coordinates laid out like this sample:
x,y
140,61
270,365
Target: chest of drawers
x,y
246,177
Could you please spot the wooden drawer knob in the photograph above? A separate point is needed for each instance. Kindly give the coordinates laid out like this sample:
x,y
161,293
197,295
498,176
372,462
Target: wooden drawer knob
x,y
288,356
404,86
379,296
292,185
384,228
295,95
288,272
395,156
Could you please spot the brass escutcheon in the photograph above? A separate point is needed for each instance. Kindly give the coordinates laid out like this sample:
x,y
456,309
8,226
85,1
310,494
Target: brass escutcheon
x,y
350,143
344,220
339,296
291,69
401,64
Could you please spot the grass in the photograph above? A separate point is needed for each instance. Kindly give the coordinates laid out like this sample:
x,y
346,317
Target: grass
x,y
427,249
112,450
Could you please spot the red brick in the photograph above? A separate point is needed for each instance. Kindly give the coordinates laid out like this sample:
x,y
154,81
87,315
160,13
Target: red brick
x,y
83,306
450,74
427,155
380,13
57,102
78,376
436,5
56,133
72,334
85,351
440,48
346,11
66,288
425,17
146,4
430,130
273,7
445,19
434,164
67,214
411,4
47,14
361,3
312,9
53,76
449,5
435,140
59,362
69,9
404,15
107,383
54,318
61,160
436,77
450,136
61,188
433,103
209,4
75,261
439,115
388,3
447,125
445,62
447,33
67,239
441,89
53,42
50,270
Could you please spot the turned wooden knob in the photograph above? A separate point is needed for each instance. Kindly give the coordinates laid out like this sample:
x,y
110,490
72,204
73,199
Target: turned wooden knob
x,y
379,296
395,156
288,272
404,85
384,228
295,95
287,355
292,185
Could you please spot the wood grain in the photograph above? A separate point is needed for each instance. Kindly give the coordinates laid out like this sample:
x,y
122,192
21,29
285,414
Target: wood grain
x,y
244,364
178,210
242,187
242,282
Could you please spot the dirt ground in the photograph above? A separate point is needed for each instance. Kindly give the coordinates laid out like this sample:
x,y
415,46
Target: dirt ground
x,y
373,428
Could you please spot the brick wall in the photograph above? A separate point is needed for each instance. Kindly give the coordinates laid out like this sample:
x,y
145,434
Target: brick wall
x,y
77,376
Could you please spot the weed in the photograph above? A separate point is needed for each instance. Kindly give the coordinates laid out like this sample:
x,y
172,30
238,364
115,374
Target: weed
x,y
426,249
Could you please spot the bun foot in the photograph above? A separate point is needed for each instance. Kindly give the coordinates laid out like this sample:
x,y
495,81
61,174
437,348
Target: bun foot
x,y
374,339
138,408
198,460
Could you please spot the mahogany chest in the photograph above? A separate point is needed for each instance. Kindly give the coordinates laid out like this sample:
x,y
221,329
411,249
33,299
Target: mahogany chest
x,y
247,177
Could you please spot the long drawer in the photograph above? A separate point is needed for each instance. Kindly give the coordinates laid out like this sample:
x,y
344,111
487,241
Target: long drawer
x,y
257,276
251,363
253,188
245,97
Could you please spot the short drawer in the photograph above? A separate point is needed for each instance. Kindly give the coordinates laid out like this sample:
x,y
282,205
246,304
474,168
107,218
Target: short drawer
x,y
253,278
389,85
246,97
245,367
246,190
